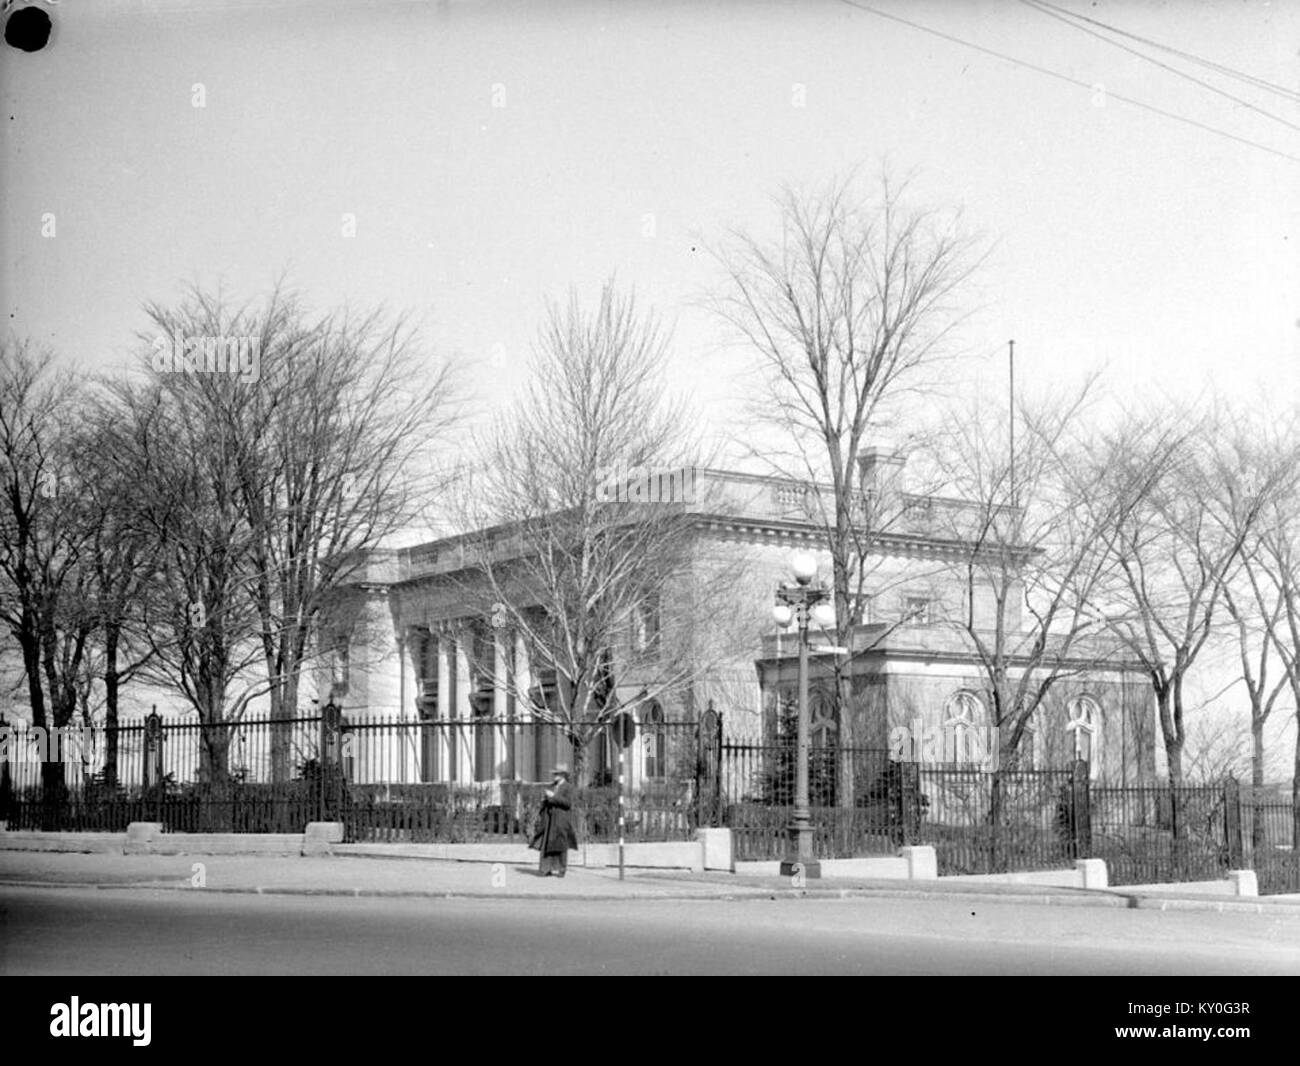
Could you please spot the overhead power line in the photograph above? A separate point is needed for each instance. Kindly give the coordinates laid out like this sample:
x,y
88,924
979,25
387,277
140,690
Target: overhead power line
x,y
1051,12
1071,81
1293,95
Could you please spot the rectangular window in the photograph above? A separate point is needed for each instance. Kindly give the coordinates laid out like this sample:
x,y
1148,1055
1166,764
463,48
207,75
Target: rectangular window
x,y
645,624
341,663
862,607
917,610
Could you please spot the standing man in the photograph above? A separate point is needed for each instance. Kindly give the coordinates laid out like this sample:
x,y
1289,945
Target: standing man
x,y
556,837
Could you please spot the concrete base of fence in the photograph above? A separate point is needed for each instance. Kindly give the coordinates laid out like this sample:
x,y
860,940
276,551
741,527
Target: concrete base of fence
x,y
922,863
711,850
510,854
718,854
1084,875
668,855
1237,883
1092,873
320,836
911,864
140,837
1227,887
147,838
85,843
1244,882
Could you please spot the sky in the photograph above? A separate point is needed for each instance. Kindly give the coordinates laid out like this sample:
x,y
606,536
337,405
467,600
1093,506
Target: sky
x,y
462,162
493,155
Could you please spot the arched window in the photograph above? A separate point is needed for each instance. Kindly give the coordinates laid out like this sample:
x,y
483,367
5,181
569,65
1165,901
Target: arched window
x,y
1083,721
823,724
966,739
654,742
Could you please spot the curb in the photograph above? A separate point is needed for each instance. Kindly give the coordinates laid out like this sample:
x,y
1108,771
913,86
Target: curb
x,y
1111,900
383,893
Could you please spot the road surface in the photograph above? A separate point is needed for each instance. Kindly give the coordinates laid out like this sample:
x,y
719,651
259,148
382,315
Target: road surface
x,y
143,932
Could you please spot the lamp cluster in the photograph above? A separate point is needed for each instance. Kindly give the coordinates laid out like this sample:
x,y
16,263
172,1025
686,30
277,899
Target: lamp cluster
x,y
803,601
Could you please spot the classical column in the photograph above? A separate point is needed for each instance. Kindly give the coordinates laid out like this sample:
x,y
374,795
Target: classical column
x,y
461,712
439,746
526,749
402,759
502,740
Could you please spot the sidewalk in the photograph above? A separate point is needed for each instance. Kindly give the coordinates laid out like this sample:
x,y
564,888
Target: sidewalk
x,y
340,875
433,878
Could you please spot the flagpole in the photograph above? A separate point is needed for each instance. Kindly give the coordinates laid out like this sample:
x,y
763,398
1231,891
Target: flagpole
x,y
1011,412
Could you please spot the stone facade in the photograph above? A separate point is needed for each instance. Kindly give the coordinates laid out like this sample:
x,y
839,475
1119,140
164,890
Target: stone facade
x,y
917,692
414,643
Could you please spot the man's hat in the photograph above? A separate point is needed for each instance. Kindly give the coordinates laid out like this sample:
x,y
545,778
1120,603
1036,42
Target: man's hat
x,y
561,768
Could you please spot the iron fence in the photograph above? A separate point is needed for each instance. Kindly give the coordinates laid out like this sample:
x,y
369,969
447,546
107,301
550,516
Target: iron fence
x,y
1163,833
1274,836
980,822
481,779
850,800
761,832
385,778
838,775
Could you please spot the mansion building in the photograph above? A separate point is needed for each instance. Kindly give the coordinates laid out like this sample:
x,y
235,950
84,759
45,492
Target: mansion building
x,y
411,647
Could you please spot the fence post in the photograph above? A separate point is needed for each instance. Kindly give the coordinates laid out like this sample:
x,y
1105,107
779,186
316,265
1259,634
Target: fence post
x,y
1232,821
153,760
996,800
1081,810
708,768
6,786
905,802
717,773
330,763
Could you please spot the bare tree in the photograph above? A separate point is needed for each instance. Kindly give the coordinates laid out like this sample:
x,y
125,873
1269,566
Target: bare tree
x,y
1264,590
46,541
1175,552
201,625
607,593
125,559
308,461
1255,469
848,311
1215,750
1037,549
340,454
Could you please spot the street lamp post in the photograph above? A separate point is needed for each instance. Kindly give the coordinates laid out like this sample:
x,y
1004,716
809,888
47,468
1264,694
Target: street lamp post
x,y
796,602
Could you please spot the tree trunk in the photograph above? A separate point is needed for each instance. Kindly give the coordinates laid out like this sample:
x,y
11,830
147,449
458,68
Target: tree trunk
x,y
1295,794
846,783
1174,751
279,738
32,669
214,741
997,801
1256,779
1173,742
112,682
